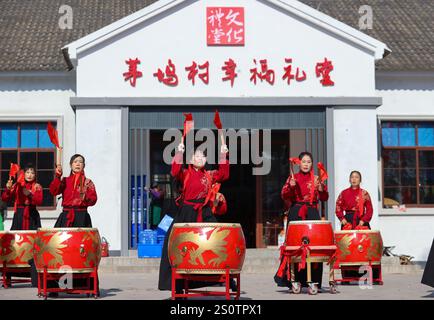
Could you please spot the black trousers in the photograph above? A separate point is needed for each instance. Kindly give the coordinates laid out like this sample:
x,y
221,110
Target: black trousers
x,y
428,273
317,268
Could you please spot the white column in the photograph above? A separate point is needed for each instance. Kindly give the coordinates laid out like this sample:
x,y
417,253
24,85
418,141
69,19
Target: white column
x,y
355,148
98,139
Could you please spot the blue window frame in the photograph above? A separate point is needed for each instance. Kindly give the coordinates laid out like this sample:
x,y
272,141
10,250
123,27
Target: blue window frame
x,y
408,163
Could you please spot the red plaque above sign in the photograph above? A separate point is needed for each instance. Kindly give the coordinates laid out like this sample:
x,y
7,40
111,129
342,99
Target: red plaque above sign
x,y
225,26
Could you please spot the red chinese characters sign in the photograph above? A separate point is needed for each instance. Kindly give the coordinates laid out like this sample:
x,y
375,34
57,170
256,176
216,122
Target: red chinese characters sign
x,y
261,71
225,26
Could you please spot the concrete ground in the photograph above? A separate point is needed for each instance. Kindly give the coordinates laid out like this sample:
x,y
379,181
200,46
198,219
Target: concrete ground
x,y
140,286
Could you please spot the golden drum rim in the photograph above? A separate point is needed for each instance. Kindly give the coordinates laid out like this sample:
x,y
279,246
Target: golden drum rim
x,y
360,263
18,266
206,224
357,231
306,222
67,229
207,271
18,232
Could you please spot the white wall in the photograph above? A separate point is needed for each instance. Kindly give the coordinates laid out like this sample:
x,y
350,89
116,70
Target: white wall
x,y
98,138
181,35
355,148
406,96
40,96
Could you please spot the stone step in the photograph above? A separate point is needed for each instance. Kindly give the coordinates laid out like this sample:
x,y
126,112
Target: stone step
x,y
257,261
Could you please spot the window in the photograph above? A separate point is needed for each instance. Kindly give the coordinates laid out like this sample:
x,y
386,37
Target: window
x,y
408,163
28,143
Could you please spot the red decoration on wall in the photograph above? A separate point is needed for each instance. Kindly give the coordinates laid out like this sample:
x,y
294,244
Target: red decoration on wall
x,y
323,69
193,72
265,74
229,69
289,76
132,73
169,78
225,25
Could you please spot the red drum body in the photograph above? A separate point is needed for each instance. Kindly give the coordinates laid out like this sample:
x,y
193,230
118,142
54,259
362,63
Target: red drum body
x,y
16,248
359,247
207,248
316,234
62,250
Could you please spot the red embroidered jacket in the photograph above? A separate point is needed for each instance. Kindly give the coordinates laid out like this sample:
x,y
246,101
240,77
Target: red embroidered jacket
x,y
72,197
198,184
349,200
301,192
33,199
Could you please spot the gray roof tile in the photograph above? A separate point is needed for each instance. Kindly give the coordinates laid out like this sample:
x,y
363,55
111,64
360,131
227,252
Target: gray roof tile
x,y
31,40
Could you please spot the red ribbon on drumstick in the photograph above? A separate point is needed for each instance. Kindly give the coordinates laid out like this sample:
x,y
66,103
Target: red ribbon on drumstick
x,y
219,126
54,138
323,176
15,168
292,162
188,125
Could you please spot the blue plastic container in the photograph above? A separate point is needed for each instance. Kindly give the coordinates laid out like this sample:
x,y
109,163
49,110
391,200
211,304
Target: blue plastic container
x,y
149,250
148,236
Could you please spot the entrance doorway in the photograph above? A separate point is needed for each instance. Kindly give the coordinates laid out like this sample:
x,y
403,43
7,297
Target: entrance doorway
x,y
253,200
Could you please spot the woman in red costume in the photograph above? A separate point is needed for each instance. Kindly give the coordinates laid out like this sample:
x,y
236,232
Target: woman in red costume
x,y
304,191
354,206
354,210
194,203
27,194
78,193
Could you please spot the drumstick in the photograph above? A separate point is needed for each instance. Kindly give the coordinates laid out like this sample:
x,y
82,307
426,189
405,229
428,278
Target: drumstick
x,y
58,155
222,137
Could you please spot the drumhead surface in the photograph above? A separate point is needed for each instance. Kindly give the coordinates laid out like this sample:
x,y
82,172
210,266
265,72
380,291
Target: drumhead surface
x,y
357,231
66,229
305,222
205,224
17,231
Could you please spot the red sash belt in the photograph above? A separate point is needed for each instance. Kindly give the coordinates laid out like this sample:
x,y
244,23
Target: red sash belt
x,y
26,217
302,212
197,206
70,216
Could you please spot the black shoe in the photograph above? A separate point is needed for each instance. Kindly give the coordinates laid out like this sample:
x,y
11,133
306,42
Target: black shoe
x,y
233,285
53,294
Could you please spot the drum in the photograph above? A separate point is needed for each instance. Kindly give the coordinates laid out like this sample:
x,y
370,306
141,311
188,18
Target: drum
x,y
207,248
75,250
359,247
316,234
16,248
